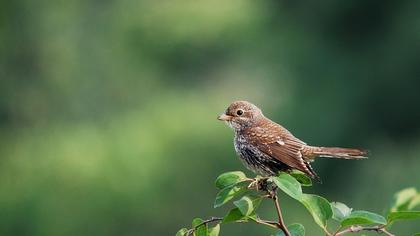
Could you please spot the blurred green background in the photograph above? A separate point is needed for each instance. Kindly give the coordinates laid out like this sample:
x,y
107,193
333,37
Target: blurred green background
x,y
108,108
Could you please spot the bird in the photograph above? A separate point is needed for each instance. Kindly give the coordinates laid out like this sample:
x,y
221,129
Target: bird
x,y
267,148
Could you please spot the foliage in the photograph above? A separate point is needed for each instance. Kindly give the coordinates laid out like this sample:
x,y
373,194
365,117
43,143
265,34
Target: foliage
x,y
108,108
250,192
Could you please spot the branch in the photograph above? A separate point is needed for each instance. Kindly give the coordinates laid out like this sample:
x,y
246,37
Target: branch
x,y
261,184
213,219
280,223
271,224
358,228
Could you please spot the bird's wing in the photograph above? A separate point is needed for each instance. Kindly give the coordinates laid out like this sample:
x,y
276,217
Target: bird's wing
x,y
277,142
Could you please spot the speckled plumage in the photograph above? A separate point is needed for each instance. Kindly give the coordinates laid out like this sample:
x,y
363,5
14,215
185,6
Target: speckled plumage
x,y
266,147
256,160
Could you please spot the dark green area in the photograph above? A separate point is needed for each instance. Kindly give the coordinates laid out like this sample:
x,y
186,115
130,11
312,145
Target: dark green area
x,y
345,221
108,108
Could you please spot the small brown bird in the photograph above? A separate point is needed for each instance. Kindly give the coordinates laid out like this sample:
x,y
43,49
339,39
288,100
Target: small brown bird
x,y
266,147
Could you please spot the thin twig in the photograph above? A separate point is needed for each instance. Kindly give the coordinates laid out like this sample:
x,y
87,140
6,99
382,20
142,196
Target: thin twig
x,y
213,219
266,222
271,224
358,228
281,224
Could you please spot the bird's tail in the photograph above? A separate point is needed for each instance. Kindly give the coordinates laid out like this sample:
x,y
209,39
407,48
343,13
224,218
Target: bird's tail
x,y
344,153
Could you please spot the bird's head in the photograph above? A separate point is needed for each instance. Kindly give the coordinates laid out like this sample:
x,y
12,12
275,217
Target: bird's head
x,y
241,114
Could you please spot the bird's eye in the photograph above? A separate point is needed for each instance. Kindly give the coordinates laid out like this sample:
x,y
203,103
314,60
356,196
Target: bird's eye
x,y
239,112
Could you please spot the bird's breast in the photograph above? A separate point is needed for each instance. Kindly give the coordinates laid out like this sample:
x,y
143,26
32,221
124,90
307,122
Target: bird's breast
x,y
239,142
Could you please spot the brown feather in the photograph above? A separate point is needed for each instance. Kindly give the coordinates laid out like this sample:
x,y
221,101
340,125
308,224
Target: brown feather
x,y
337,152
277,142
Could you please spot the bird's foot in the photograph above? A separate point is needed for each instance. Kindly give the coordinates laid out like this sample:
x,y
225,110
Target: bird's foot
x,y
260,183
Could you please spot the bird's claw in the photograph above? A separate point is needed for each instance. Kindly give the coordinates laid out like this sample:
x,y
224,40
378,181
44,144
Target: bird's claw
x,y
260,183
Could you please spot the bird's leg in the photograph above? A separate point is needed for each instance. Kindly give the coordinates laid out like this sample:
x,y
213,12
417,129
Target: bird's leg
x,y
268,186
260,183
263,184
253,184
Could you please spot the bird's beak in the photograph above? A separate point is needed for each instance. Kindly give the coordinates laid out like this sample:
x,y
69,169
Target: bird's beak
x,y
224,117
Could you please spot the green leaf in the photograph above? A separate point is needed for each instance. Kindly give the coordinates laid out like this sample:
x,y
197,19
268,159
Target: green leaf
x,y
229,178
403,215
196,221
289,185
182,232
319,208
403,198
229,193
362,218
416,234
415,201
247,204
340,211
303,179
295,229
214,231
235,214
202,230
